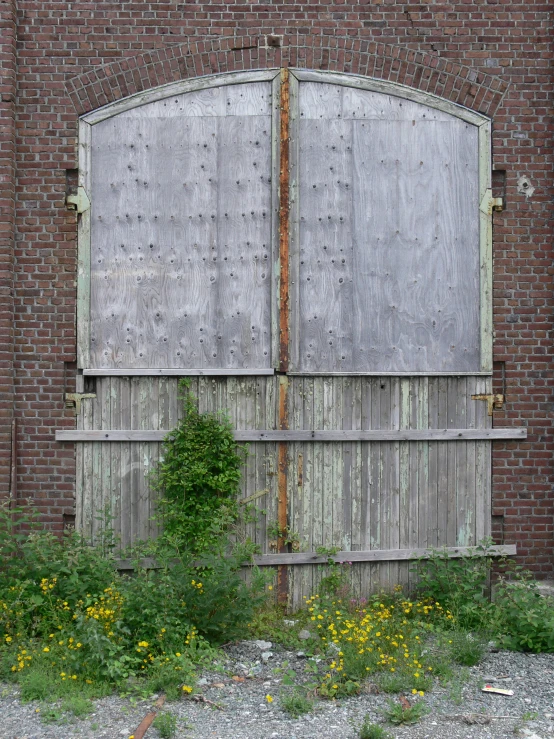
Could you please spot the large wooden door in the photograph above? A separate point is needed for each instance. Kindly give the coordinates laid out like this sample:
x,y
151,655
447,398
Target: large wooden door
x,y
314,251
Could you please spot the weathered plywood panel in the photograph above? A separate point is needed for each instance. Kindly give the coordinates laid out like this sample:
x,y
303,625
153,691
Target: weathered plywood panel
x,y
181,233
388,236
322,100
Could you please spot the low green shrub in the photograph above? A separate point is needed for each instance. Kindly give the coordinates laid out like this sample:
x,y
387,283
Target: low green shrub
x,y
68,617
459,585
524,617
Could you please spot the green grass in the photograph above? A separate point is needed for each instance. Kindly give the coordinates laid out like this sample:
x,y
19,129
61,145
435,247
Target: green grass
x,y
166,725
369,730
268,623
397,714
77,705
296,704
465,648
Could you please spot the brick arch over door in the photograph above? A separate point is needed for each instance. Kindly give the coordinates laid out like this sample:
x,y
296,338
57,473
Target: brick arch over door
x,y
431,74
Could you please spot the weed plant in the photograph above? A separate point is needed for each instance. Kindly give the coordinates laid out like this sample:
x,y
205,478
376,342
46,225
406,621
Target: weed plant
x,y
397,714
296,703
93,627
370,730
384,637
166,725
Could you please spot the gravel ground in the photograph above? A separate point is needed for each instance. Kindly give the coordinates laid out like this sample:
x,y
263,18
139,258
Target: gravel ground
x,y
238,709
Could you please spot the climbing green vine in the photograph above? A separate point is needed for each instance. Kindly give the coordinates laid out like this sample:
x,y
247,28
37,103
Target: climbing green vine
x,y
198,478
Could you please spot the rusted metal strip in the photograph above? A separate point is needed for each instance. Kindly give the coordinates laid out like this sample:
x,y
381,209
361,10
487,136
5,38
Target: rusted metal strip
x,y
148,720
284,222
282,478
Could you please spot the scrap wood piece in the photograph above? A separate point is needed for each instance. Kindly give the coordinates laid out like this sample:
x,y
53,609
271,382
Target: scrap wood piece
x,y
197,698
477,718
498,691
147,721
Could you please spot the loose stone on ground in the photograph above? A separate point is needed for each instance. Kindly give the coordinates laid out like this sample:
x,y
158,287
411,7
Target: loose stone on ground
x,y
239,709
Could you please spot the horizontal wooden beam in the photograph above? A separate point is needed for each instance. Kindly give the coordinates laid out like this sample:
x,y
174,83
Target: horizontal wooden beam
x,y
373,555
518,432
382,555
145,372
384,375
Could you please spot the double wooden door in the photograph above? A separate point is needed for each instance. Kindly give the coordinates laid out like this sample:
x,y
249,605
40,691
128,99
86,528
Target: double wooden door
x,y
314,250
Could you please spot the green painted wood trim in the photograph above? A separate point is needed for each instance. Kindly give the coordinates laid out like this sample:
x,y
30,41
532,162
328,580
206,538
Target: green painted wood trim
x,y
485,249
177,88
83,249
391,88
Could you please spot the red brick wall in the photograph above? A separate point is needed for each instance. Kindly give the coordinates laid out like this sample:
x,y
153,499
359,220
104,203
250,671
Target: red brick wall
x,y
492,56
7,226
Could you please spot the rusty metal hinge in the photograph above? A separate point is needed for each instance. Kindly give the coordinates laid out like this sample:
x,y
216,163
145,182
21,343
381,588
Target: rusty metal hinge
x,y
493,401
73,400
488,203
78,201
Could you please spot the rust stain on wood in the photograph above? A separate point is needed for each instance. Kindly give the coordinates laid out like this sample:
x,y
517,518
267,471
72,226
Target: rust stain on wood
x,y
282,505
284,223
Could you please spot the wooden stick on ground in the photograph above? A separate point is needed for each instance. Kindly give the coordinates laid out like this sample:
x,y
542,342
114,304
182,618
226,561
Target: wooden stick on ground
x,y
146,722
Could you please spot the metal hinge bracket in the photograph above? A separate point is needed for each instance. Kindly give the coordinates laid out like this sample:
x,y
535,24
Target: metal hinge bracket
x,y
488,203
73,400
78,201
493,401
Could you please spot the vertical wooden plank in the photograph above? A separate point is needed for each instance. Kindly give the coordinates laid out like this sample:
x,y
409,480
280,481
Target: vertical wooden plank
x,y
395,568
433,465
79,464
482,463
308,491
151,455
115,455
317,454
134,467
105,511
442,463
425,502
87,516
451,522
295,482
407,397
386,460
328,400
463,525
97,501
282,484
124,390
